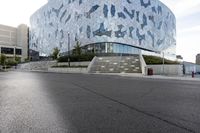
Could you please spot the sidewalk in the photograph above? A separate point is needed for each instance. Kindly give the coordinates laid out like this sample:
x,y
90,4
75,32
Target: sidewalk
x,y
138,75
185,77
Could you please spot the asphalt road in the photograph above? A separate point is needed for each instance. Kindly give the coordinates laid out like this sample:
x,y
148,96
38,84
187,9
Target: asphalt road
x,y
81,103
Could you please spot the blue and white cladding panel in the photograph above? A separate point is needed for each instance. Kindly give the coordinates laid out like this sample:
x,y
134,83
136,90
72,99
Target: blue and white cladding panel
x,y
146,24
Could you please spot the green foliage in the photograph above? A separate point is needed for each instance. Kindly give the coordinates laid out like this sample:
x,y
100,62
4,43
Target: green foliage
x,y
18,59
2,59
77,49
66,66
55,53
27,60
11,63
157,60
76,58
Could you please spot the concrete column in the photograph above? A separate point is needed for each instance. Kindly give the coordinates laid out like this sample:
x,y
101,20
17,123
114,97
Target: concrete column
x,y
106,48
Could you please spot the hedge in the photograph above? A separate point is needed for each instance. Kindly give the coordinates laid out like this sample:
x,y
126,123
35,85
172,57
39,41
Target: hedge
x,y
77,58
157,60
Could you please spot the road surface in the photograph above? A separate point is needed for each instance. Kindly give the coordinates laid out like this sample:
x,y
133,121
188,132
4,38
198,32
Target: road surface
x,y
83,103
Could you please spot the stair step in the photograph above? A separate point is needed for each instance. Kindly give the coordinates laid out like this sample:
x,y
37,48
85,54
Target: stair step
x,y
126,64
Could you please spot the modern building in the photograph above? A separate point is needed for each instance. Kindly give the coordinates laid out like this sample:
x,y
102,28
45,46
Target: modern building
x,y
14,41
198,59
104,27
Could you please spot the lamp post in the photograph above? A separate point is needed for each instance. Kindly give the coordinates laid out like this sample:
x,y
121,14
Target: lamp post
x,y
163,62
68,49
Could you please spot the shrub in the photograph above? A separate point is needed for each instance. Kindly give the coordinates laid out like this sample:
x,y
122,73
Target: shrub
x,y
2,59
77,58
66,66
55,53
11,63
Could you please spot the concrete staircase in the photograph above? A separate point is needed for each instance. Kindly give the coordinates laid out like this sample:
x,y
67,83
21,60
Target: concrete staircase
x,y
115,64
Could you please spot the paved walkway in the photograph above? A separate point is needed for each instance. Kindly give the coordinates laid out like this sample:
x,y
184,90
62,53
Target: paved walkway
x,y
185,77
139,75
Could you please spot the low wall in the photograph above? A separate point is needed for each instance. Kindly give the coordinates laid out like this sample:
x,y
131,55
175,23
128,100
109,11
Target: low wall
x,y
38,65
191,67
86,63
143,64
68,70
91,64
198,68
166,69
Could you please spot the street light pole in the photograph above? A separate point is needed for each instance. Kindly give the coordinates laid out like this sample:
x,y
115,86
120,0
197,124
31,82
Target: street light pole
x,y
68,49
163,62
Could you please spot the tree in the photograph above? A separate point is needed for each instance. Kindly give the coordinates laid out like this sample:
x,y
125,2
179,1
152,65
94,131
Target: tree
x,y
2,59
77,49
55,54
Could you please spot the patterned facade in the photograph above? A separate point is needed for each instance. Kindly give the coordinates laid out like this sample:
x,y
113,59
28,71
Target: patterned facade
x,y
122,26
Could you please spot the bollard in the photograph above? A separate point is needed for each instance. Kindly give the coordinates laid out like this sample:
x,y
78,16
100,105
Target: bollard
x,y
192,74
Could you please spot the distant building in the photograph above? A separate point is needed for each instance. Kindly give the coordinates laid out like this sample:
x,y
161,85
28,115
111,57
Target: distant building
x,y
34,55
198,59
14,41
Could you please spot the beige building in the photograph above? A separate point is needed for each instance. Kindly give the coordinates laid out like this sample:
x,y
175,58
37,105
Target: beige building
x,y
14,41
198,59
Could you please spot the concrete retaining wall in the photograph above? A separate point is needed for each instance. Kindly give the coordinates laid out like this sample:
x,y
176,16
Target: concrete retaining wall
x,y
68,70
191,67
198,68
39,65
143,64
74,63
166,69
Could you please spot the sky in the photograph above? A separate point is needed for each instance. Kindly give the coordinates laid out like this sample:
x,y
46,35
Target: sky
x,y
187,12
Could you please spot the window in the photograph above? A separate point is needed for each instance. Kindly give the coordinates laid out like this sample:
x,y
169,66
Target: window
x,y
18,51
7,50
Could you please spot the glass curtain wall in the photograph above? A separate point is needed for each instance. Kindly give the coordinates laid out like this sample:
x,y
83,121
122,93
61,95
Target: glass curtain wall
x,y
101,48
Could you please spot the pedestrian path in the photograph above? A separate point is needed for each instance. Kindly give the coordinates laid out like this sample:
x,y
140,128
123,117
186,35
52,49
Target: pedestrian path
x,y
138,75
187,77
